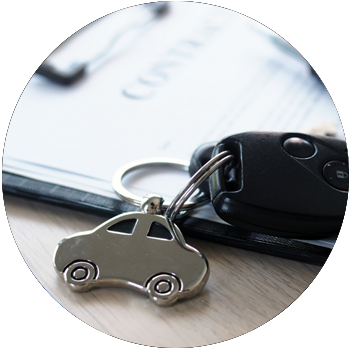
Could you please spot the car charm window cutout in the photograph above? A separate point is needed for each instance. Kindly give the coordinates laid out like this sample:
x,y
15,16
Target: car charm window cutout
x,y
159,231
126,227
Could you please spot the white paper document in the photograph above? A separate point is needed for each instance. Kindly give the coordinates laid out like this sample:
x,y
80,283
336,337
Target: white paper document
x,y
196,75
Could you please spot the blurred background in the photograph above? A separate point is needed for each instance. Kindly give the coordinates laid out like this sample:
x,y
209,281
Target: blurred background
x,y
319,29
31,29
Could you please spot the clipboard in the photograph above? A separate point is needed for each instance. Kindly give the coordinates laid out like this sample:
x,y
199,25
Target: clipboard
x,y
224,76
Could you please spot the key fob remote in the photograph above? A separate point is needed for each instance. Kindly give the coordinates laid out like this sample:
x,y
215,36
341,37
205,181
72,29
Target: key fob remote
x,y
283,184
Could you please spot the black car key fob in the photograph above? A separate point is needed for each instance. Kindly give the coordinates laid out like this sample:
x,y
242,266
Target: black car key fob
x,y
283,184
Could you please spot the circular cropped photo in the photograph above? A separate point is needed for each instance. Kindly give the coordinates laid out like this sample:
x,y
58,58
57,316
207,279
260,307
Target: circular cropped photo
x,y
175,174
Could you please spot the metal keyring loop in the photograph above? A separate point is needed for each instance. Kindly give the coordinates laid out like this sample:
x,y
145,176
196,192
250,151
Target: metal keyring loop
x,y
124,194
195,181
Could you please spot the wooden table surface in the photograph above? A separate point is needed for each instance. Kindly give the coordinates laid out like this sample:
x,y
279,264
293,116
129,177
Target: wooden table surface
x,y
245,289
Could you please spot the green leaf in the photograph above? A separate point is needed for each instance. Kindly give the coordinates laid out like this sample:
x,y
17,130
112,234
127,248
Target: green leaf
x,y
291,317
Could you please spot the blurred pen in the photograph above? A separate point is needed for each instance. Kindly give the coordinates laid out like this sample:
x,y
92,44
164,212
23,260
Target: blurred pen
x,y
119,42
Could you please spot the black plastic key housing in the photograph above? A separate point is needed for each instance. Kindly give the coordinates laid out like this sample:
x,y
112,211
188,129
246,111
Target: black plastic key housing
x,y
283,184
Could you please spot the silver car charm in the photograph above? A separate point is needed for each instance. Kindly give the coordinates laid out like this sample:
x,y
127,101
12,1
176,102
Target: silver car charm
x,y
144,251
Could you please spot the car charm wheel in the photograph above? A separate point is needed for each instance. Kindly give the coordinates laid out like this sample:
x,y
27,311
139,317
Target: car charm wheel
x,y
163,289
79,275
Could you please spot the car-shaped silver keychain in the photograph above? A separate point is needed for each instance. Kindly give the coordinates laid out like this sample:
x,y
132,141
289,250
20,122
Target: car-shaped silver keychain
x,y
144,251
165,269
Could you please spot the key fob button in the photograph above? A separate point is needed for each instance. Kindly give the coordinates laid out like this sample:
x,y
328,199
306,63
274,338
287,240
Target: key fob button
x,y
336,173
299,147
